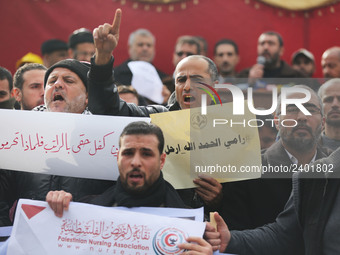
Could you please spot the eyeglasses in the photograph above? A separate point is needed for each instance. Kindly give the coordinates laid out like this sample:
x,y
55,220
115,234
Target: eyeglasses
x,y
294,110
181,53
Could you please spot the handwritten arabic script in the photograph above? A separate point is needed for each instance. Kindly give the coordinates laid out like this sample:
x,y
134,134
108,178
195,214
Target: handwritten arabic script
x,y
60,142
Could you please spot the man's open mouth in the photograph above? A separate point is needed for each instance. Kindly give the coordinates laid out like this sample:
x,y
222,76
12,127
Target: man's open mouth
x,y
188,99
58,97
135,175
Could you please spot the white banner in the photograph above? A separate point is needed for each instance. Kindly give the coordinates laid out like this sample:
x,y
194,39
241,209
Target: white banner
x,y
88,229
65,144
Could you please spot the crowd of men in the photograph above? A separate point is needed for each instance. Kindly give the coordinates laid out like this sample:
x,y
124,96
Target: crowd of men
x,y
289,214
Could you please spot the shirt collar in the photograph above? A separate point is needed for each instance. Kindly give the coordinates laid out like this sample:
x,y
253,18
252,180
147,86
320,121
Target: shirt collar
x,y
295,160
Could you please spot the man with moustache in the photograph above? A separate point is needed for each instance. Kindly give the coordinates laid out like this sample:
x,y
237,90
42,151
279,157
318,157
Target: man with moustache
x,y
329,93
140,182
309,223
259,201
104,100
28,87
270,47
303,61
330,63
66,90
226,57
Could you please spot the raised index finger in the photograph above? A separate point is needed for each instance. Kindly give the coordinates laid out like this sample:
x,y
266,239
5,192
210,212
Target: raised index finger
x,y
116,22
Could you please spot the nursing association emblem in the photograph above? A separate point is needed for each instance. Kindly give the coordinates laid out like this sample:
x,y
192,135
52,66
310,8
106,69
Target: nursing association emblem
x,y
166,240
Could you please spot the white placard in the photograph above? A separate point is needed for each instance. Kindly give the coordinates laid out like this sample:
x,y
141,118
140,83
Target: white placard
x,y
146,81
65,144
88,229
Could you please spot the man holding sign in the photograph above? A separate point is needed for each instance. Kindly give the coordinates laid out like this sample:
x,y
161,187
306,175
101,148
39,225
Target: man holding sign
x,y
66,90
189,70
140,161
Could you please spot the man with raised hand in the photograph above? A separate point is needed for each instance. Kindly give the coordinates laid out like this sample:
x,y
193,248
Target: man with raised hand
x,y
104,98
66,90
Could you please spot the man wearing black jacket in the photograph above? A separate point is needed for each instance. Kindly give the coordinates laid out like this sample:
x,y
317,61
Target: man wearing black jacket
x,y
140,183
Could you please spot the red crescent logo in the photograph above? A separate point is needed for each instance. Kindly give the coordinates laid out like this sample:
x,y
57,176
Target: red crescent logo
x,y
167,239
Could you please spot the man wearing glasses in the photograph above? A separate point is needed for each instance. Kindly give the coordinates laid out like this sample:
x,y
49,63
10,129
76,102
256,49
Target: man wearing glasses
x,y
185,46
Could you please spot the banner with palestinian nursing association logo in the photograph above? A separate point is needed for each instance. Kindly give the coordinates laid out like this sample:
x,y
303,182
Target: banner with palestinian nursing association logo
x,y
88,229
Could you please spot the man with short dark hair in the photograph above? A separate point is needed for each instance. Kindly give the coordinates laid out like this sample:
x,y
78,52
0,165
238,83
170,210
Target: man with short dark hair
x,y
226,57
53,51
140,161
6,85
269,64
140,182
81,46
29,85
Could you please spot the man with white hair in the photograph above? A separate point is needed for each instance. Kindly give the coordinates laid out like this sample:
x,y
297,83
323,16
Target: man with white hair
x,y
141,47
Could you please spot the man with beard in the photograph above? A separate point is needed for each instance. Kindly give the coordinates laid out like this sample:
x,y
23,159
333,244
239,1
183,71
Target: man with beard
x,y
329,93
226,57
66,90
330,63
269,63
29,85
190,71
259,201
140,182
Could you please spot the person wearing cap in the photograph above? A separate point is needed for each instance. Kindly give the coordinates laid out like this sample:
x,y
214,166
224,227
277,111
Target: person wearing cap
x,y
81,46
53,51
66,87
303,61
66,84
28,58
330,63
28,87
